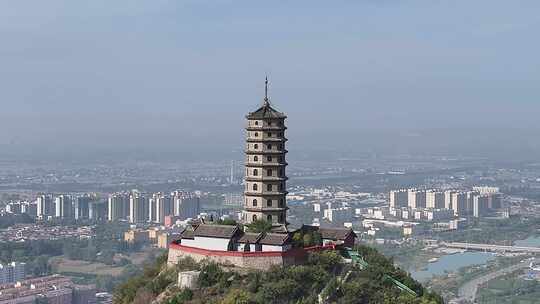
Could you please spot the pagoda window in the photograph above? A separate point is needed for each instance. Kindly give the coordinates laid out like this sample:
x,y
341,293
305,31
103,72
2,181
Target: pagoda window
x,y
255,158
255,187
268,187
255,172
254,202
269,218
269,172
256,134
254,217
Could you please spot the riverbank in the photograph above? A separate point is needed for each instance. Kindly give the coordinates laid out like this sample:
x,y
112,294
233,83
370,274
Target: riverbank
x,y
469,290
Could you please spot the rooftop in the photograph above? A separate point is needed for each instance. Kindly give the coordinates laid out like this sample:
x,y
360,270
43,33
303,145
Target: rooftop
x,y
250,237
275,239
266,111
335,233
219,231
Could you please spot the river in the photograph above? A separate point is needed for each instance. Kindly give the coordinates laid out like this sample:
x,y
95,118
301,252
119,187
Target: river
x,y
532,241
453,262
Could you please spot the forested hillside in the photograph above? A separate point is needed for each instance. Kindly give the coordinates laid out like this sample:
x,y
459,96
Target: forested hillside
x,y
324,276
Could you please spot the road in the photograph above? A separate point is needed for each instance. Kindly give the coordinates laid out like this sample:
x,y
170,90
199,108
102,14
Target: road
x,y
491,247
468,290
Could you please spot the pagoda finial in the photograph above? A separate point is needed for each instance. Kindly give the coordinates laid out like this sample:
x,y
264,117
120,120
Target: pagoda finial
x,y
266,102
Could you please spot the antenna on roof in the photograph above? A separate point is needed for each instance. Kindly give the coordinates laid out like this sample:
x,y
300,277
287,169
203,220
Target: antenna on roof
x,y
266,91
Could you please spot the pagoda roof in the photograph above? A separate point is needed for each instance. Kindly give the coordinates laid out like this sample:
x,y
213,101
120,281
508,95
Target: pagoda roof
x,y
266,111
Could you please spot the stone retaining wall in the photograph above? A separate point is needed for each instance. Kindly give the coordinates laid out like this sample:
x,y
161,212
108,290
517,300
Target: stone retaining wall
x,y
254,260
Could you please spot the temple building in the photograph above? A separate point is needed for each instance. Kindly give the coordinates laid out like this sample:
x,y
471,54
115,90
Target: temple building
x,y
264,199
265,177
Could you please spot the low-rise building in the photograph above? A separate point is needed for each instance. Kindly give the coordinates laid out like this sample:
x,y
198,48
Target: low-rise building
x,y
438,214
50,289
136,236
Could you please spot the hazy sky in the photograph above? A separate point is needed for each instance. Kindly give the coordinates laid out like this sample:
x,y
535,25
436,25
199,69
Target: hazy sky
x,y
168,75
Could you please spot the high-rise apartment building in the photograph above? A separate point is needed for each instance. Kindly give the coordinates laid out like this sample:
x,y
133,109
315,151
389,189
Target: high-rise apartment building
x,y
459,203
435,199
416,198
399,198
448,199
118,206
12,272
81,207
97,210
470,200
138,208
495,200
161,205
186,205
480,205
486,189
265,177
63,206
45,206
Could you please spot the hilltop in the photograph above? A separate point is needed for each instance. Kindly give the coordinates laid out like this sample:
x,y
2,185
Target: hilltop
x,y
325,276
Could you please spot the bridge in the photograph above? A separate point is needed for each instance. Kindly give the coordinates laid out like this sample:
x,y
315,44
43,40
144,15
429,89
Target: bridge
x,y
490,247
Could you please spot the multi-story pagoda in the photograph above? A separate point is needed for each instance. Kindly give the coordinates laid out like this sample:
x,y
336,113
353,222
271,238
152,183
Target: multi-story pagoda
x,y
265,179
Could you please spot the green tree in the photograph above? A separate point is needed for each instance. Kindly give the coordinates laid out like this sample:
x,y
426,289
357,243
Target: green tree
x,y
210,274
259,226
307,240
229,222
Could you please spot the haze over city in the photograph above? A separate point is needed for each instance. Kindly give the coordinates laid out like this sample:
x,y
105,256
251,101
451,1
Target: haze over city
x,y
87,79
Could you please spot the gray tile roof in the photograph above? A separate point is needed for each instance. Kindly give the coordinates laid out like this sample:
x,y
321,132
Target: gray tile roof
x,y
266,111
335,233
250,237
187,234
218,231
275,239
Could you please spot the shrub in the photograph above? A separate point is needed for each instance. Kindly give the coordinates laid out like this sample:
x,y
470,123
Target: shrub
x,y
259,226
236,296
210,275
181,297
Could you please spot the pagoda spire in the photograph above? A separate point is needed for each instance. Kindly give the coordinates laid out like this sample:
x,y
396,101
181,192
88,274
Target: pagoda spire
x,y
266,101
